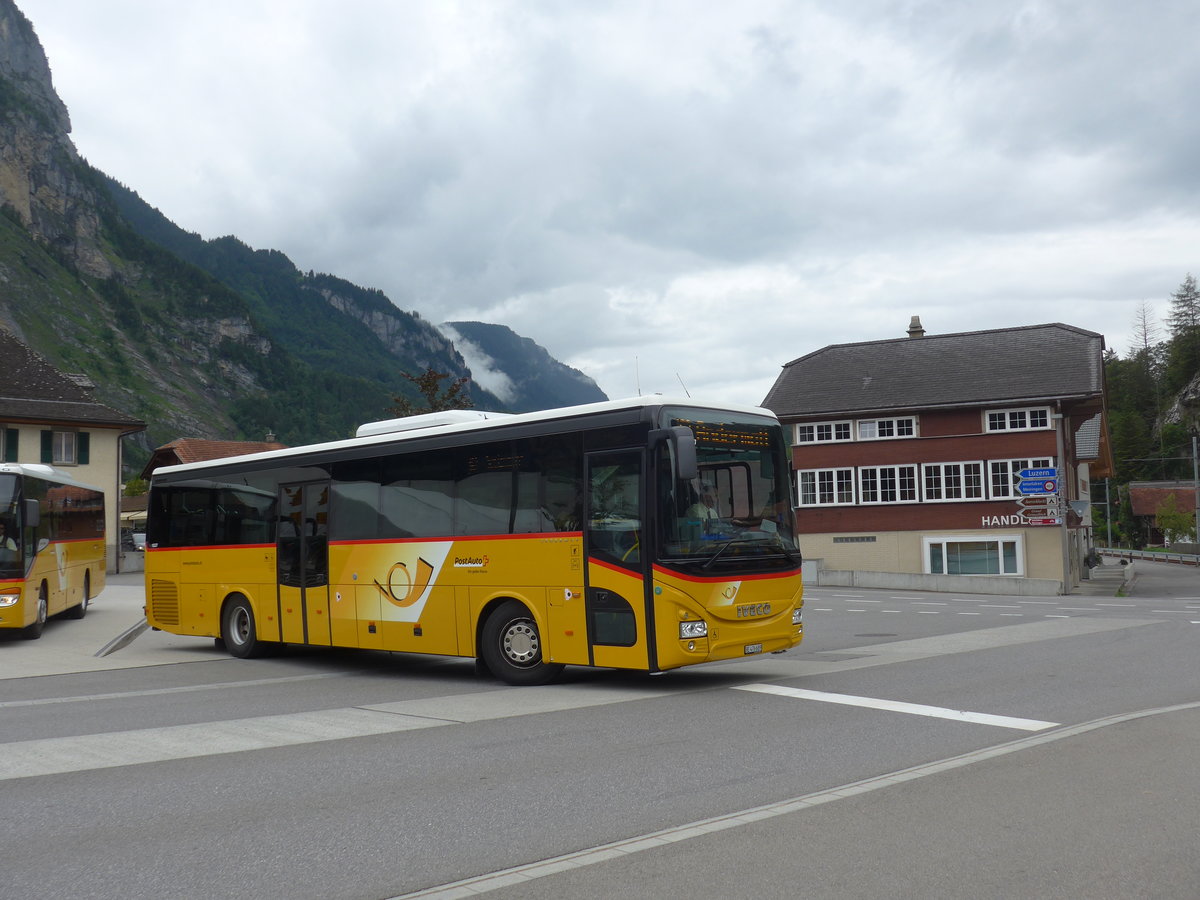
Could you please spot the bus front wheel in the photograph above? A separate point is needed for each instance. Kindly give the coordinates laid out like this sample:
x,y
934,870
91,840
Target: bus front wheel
x,y
33,631
511,646
238,630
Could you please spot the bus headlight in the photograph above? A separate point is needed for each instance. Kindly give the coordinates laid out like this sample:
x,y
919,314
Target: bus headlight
x,y
9,600
692,630
798,615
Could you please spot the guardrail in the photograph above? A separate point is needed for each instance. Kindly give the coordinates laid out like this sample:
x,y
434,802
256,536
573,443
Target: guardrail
x,y
1183,559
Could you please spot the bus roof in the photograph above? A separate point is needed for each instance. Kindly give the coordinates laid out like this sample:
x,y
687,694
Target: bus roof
x,y
46,473
432,424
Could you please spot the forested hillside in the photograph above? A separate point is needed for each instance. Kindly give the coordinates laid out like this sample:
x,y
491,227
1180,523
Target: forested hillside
x,y
1154,401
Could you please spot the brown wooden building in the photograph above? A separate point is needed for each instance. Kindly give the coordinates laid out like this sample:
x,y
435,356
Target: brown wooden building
x,y
908,454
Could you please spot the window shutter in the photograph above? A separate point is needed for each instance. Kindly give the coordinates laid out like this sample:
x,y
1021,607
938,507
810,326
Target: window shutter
x,y
11,438
48,446
83,449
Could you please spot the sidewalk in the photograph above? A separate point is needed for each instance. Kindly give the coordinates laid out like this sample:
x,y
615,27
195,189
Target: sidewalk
x,y
1106,580
69,645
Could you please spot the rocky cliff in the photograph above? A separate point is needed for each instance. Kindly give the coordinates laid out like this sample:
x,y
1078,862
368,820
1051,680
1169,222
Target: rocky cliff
x,y
42,179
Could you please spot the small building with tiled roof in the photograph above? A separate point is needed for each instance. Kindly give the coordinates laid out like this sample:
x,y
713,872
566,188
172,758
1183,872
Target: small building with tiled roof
x,y
909,453
189,450
1146,498
48,416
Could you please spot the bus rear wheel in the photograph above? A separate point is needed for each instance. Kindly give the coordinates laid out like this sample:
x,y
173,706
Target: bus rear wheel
x,y
511,646
238,630
80,610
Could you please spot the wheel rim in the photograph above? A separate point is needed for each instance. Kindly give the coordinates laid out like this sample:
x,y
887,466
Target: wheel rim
x,y
239,626
520,644
43,609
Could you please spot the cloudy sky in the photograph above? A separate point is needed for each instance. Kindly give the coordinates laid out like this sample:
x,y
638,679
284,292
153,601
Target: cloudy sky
x,y
669,195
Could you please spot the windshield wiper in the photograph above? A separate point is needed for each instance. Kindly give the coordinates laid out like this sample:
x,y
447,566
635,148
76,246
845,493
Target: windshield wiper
x,y
725,545
773,542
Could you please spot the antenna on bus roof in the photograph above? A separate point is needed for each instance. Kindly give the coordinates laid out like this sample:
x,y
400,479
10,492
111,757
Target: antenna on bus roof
x,y
637,376
682,385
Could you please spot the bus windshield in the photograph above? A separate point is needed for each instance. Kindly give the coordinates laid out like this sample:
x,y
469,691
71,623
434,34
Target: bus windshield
x,y
737,512
10,532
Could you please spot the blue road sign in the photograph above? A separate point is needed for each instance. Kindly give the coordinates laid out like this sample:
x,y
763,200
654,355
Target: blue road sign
x,y
1043,486
1038,473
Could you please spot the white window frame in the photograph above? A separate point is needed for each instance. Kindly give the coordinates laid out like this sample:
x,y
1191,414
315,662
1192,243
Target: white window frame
x,y
848,477
880,473
1012,467
65,448
1017,419
844,425
869,429
945,479
942,540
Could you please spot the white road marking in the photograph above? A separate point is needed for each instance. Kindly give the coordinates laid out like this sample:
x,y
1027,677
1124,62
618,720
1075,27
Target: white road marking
x,y
914,709
78,753
52,756
150,692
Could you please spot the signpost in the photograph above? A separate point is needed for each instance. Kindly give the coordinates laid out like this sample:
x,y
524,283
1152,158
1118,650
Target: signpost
x,y
1039,500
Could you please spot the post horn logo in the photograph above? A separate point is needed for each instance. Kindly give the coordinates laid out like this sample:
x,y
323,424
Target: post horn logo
x,y
406,594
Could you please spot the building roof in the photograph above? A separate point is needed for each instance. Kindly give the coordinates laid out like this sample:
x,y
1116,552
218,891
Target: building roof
x,y
190,450
33,390
1034,363
1145,497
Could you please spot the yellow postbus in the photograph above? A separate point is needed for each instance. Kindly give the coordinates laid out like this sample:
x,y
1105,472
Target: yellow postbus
x,y
642,534
52,556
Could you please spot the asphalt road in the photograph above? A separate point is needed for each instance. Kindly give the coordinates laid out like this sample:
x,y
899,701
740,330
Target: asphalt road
x,y
918,745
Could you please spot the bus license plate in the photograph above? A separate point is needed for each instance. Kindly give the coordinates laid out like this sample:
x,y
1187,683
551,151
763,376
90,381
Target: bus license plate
x,y
753,648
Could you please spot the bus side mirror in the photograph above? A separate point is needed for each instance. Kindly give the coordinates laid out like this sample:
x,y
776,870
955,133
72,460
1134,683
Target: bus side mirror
x,y
33,514
683,443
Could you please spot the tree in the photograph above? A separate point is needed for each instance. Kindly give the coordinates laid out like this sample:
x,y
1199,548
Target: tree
x,y
1145,330
1175,523
135,487
1183,355
1185,308
429,386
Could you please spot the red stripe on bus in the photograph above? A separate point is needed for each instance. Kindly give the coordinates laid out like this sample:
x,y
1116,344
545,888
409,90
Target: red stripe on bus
x,y
732,576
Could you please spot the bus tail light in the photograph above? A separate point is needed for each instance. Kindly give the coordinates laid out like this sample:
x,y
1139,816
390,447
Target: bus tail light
x,y
692,629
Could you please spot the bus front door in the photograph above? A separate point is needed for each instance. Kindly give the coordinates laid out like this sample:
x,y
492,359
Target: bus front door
x,y
303,561
620,624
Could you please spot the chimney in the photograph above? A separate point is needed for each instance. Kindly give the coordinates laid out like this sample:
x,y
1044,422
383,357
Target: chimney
x,y
914,328
270,437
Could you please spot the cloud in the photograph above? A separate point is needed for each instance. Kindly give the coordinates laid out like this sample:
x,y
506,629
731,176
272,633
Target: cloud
x,y
483,367
667,193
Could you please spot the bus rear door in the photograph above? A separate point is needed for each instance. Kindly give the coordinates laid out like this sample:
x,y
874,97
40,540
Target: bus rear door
x,y
303,560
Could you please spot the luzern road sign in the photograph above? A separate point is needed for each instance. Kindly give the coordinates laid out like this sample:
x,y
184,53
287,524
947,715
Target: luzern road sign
x,y
1038,486
1038,473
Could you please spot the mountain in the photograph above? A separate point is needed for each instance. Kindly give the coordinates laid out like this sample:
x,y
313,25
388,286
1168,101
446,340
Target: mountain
x,y
199,338
522,373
